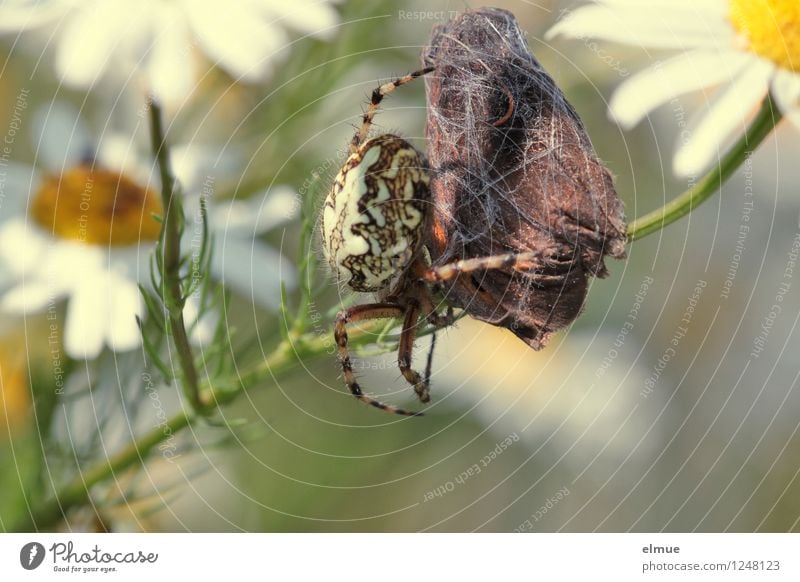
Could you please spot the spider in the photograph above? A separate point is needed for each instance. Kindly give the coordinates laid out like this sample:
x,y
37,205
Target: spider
x,y
375,225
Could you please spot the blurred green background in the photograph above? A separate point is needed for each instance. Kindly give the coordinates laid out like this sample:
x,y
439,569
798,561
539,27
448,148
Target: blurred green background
x,y
589,438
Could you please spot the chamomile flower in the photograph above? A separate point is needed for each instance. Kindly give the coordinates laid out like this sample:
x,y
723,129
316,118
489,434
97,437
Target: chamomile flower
x,y
155,41
750,46
82,229
78,227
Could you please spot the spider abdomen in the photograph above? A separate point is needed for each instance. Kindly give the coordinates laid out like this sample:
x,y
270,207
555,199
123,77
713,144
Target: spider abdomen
x,y
374,214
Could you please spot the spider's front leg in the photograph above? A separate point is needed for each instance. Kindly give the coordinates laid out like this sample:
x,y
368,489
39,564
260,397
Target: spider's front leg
x,y
523,262
364,313
377,96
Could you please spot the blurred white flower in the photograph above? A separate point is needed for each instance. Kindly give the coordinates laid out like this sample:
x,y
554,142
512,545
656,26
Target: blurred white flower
x,y
155,40
251,268
573,392
240,261
752,45
80,228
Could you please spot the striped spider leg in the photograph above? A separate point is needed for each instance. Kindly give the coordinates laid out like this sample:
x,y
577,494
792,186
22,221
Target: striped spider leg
x,y
414,307
524,262
375,102
549,267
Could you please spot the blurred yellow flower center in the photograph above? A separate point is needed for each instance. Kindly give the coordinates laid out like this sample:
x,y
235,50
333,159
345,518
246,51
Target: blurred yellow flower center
x,y
96,206
771,29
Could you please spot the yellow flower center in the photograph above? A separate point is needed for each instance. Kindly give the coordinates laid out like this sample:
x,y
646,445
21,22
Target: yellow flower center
x,y
770,29
96,206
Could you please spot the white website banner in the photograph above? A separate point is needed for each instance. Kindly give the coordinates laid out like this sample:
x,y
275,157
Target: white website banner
x,y
388,557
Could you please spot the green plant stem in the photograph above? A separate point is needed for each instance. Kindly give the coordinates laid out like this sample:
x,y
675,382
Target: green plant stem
x,y
170,247
763,124
76,492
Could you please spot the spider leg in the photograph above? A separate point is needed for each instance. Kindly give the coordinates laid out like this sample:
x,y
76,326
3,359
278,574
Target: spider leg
x,y
377,96
427,305
540,280
429,364
361,313
406,349
575,229
525,261
594,243
445,320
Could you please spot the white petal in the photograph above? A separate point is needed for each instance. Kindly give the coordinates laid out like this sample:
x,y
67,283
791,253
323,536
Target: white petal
x,y
253,269
28,297
170,67
308,16
87,316
124,304
257,214
704,140
131,262
21,247
718,7
201,332
121,153
198,168
137,22
639,24
786,91
659,84
63,139
114,151
88,41
69,263
188,163
22,16
235,37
